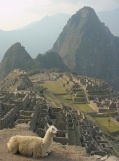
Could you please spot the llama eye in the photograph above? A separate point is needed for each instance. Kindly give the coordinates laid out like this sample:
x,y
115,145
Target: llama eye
x,y
53,128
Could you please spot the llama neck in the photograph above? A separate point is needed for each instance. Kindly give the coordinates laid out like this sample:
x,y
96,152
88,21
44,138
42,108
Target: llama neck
x,y
48,138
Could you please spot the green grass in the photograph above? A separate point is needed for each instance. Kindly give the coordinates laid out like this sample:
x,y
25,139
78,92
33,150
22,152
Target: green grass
x,y
52,98
103,122
54,87
67,97
84,107
58,95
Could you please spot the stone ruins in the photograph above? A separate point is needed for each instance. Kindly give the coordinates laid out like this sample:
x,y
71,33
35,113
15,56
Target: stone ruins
x,y
74,127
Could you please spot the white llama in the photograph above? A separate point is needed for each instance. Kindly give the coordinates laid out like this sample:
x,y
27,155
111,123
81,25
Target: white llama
x,y
32,145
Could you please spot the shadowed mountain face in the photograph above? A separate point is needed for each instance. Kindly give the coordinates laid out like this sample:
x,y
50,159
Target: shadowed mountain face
x,y
87,47
50,60
15,57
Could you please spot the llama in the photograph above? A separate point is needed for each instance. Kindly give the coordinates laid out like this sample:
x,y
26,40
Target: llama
x,y
32,145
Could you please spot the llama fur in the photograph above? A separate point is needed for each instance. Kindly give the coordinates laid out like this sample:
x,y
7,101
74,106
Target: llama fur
x,y
32,145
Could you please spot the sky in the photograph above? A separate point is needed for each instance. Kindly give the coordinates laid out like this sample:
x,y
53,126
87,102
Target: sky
x,y
15,14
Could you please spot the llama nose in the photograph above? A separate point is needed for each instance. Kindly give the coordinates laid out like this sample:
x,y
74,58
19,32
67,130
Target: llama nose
x,y
56,131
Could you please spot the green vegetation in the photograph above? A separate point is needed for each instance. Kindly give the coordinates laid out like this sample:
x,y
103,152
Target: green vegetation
x,y
56,93
103,123
34,71
54,87
52,98
40,90
84,107
50,60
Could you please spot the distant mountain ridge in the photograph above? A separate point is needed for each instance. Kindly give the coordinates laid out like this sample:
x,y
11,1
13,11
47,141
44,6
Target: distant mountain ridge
x,y
38,37
87,47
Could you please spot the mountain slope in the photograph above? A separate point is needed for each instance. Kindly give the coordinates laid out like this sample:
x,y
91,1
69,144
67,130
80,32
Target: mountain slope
x,y
15,57
87,47
37,37
50,60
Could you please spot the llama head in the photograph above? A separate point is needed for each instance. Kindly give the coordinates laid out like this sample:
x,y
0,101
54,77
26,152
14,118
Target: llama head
x,y
52,129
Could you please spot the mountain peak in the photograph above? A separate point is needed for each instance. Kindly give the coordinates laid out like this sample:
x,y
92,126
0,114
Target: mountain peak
x,y
83,15
17,43
15,57
17,50
86,10
87,47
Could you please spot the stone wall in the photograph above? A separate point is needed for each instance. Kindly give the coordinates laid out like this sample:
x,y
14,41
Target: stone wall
x,y
33,123
4,108
9,119
4,96
93,139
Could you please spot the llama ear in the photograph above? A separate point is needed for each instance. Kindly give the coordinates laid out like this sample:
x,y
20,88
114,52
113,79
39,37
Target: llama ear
x,y
48,125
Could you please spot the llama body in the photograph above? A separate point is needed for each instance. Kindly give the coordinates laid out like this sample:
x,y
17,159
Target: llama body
x,y
32,145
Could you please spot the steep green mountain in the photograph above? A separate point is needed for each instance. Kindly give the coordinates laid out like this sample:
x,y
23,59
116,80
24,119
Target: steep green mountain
x,y
87,47
50,60
15,57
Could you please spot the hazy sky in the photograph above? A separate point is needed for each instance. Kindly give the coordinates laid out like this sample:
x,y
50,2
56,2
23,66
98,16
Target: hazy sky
x,y
18,13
